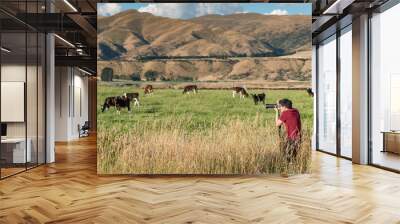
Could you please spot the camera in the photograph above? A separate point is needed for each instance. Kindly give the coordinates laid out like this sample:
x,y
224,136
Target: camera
x,y
271,106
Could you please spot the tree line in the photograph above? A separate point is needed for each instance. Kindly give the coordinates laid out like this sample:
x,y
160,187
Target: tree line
x,y
107,75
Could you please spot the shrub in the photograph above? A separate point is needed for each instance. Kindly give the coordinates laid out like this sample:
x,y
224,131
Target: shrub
x,y
184,78
240,76
163,78
135,77
151,75
107,74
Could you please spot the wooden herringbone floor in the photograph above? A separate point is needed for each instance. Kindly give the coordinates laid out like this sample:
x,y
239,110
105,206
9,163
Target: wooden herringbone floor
x,y
69,191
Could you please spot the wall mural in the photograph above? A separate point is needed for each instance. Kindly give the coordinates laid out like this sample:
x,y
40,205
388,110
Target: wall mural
x,y
192,88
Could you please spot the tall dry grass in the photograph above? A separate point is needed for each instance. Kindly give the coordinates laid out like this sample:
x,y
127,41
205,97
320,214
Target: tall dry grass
x,y
170,147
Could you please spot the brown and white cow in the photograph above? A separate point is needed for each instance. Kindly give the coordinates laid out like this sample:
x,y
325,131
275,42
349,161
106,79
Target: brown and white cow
x,y
148,90
133,97
240,91
190,88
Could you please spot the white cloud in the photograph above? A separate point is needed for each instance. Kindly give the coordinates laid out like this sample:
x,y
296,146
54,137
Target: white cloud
x,y
279,12
190,10
109,9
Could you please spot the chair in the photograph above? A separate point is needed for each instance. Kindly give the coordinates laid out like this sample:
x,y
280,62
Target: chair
x,y
84,130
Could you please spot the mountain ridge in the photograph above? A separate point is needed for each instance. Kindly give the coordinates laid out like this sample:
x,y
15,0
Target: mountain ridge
x,y
131,34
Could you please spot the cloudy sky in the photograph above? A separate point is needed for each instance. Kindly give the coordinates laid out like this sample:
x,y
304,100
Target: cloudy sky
x,y
190,10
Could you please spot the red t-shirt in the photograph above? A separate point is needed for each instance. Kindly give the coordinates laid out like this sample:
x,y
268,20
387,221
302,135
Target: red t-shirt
x,y
291,119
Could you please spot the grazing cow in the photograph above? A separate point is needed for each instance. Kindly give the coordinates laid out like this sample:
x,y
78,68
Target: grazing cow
x,y
310,92
109,102
133,97
148,89
258,98
121,102
190,88
241,91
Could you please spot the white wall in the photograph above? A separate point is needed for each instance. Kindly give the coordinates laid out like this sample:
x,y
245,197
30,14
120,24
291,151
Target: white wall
x,y
70,83
62,81
81,85
33,126
11,73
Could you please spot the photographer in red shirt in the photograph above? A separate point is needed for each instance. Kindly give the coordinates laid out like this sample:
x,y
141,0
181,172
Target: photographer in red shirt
x,y
290,118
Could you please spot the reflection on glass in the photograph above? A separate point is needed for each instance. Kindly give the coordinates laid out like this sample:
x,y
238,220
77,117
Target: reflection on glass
x,y
14,153
22,90
41,99
327,95
394,102
31,97
385,83
346,92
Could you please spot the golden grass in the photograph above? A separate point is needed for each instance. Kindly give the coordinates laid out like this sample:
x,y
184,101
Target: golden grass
x,y
169,147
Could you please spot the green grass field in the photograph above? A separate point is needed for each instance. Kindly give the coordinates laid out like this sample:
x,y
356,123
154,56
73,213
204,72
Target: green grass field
x,y
203,108
201,129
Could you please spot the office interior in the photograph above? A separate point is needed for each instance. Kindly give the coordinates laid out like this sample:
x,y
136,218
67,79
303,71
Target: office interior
x,y
356,79
48,92
48,77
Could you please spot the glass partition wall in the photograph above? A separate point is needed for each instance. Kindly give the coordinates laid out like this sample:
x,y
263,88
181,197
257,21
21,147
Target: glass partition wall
x,y
345,108
334,94
22,100
385,89
326,108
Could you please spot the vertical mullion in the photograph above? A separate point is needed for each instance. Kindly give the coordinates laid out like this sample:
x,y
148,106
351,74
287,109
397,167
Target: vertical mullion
x,y
338,95
369,79
37,90
47,5
73,93
26,86
69,90
317,97
0,94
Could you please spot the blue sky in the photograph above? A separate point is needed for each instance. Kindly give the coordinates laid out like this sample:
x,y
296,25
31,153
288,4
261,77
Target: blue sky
x,y
190,10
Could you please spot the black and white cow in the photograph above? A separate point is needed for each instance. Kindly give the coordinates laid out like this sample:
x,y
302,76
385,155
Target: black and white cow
x,y
109,102
258,98
118,102
133,97
310,92
122,102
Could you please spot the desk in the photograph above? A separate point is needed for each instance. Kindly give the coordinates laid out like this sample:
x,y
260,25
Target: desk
x,y
391,141
13,150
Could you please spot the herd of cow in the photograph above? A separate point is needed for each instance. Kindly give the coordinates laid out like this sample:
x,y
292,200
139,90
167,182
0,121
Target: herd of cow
x,y
125,100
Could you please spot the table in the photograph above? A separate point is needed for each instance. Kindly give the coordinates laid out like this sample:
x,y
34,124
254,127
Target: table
x,y
391,141
13,150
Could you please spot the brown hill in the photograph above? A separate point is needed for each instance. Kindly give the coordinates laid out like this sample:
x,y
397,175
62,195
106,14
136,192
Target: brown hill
x,y
131,35
262,69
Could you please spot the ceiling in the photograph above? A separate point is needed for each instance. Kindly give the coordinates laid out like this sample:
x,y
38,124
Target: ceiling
x,y
331,15
74,22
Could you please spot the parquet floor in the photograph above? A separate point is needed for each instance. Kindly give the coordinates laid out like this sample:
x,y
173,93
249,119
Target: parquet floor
x,y
69,191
